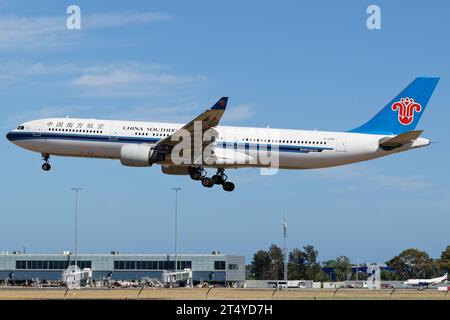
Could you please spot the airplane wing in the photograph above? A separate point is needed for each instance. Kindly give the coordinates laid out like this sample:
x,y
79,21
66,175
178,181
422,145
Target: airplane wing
x,y
203,122
400,139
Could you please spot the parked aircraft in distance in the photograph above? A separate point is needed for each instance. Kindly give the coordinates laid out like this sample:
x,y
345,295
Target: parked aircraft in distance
x,y
424,283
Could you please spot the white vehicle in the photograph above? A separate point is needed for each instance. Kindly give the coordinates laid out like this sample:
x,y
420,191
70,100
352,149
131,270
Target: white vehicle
x,y
424,283
296,284
142,144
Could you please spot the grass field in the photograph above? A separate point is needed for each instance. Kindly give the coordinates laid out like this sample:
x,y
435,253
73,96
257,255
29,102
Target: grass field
x,y
217,294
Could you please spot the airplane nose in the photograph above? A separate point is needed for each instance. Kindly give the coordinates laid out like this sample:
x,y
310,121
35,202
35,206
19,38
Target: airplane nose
x,y
9,136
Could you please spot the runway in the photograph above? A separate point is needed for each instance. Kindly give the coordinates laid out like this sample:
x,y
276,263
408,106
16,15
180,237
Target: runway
x,y
9,293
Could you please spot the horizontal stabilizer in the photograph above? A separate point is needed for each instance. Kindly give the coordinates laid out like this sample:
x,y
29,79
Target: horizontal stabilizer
x,y
401,139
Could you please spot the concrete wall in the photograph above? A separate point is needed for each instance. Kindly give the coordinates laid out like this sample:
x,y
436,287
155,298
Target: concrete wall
x,y
239,274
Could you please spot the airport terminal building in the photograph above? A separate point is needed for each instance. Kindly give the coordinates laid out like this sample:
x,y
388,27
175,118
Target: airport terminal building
x,y
211,268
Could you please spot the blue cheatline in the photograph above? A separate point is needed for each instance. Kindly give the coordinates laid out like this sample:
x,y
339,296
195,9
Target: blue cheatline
x,y
16,136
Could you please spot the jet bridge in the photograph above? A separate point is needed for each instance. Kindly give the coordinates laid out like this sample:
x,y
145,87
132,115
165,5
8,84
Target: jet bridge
x,y
177,278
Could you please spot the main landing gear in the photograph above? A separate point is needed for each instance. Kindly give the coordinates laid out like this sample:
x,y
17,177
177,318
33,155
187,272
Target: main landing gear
x,y
220,178
46,166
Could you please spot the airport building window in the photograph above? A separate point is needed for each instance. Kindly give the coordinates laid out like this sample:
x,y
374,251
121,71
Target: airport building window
x,y
82,264
150,265
219,265
233,267
184,265
49,264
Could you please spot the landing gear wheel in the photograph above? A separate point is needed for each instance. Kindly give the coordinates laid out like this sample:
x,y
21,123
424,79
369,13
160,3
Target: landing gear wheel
x,y
228,186
195,175
46,167
207,182
218,179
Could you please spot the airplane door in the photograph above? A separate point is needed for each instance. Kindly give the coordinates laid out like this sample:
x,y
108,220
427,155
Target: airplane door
x,y
114,132
341,145
37,130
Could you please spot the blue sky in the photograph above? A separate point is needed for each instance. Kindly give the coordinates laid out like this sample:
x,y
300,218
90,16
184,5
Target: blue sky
x,y
290,64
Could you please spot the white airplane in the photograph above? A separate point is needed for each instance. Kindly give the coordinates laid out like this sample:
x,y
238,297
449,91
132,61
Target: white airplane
x,y
425,282
142,144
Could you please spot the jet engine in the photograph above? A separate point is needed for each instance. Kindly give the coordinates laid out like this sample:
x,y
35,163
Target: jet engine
x,y
136,155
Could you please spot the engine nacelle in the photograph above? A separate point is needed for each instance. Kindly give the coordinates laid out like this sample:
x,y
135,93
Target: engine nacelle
x,y
136,155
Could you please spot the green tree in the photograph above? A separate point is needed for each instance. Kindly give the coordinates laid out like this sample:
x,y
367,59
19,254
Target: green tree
x,y
342,267
267,265
444,261
388,276
276,262
413,263
313,269
296,266
261,265
304,265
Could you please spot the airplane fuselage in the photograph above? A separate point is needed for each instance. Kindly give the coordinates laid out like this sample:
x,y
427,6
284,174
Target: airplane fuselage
x,y
296,149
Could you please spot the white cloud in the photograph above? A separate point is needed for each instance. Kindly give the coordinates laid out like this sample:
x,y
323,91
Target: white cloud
x,y
168,95
366,173
18,32
402,182
238,113
29,31
132,79
18,71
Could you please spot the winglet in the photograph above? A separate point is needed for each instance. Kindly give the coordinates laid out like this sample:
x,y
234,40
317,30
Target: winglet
x,y
221,104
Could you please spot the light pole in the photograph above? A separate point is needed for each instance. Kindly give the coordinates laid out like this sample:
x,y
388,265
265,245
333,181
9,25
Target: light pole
x,y
285,254
76,220
176,225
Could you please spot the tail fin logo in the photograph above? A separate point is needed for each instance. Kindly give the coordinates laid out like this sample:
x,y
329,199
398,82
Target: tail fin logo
x,y
406,108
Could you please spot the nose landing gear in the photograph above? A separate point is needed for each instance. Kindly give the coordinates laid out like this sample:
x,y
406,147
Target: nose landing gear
x,y
46,166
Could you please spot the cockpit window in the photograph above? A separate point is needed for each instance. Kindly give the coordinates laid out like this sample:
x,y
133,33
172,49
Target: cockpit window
x,y
20,127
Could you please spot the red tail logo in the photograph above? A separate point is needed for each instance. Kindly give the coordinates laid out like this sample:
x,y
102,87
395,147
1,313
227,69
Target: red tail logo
x,y
406,108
